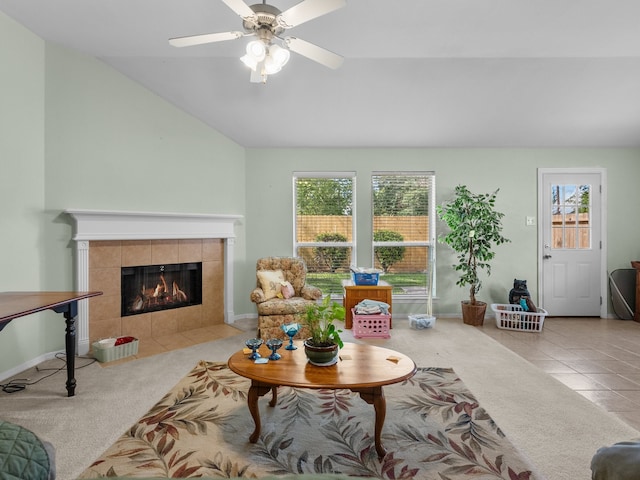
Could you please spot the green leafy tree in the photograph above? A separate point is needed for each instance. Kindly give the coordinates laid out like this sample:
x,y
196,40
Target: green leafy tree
x,y
332,258
583,202
324,196
401,196
475,228
387,256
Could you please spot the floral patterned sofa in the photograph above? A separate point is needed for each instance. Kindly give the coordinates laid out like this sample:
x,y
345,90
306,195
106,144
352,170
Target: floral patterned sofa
x,y
270,295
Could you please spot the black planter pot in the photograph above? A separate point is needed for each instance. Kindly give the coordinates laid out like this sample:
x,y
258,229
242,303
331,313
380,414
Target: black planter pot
x,y
321,356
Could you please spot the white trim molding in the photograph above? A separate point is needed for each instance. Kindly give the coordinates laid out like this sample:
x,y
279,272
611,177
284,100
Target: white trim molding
x,y
114,225
118,225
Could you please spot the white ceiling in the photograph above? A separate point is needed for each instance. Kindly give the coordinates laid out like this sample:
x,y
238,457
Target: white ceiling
x,y
417,73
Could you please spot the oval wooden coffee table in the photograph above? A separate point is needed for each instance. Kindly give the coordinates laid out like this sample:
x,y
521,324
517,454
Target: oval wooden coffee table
x,y
363,369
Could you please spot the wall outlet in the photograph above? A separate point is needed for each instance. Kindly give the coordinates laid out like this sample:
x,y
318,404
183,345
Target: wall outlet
x,y
530,221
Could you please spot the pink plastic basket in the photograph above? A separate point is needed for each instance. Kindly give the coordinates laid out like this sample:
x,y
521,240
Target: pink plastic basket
x,y
371,326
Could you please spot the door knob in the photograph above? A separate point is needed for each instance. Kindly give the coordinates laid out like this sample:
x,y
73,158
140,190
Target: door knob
x,y
547,256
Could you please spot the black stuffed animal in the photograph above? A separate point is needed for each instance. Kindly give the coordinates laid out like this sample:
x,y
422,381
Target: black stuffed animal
x,y
519,290
519,295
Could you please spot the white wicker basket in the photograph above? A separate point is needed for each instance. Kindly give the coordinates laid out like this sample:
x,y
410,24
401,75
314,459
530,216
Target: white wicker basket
x,y
513,317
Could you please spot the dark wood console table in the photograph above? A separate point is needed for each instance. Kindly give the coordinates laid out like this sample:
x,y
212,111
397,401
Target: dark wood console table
x,y
19,304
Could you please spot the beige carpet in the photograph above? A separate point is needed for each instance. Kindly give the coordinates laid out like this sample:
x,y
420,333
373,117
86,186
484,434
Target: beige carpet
x,y
434,428
558,429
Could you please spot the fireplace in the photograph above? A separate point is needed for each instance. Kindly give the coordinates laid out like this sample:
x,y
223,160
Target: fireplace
x,y
107,241
151,288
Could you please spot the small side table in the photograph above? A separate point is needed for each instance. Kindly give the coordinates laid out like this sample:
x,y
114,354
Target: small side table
x,y
19,304
354,294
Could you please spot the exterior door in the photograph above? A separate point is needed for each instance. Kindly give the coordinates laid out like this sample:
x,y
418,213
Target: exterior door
x,y
571,241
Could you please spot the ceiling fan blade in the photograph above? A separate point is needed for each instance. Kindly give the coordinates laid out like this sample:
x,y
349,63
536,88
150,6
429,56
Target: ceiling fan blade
x,y
205,38
308,10
314,52
240,8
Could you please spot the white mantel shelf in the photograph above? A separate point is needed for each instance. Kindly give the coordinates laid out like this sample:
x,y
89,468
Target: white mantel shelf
x,y
119,225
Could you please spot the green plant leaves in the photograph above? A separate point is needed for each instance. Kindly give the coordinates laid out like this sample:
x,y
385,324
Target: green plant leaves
x,y
475,228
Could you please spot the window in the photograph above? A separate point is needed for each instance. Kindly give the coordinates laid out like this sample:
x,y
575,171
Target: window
x,y
403,229
571,222
324,227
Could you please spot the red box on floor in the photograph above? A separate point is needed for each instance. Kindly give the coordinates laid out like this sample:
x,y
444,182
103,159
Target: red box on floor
x,y
371,326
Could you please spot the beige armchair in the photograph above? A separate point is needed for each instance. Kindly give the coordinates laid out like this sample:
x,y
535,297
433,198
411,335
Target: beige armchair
x,y
273,309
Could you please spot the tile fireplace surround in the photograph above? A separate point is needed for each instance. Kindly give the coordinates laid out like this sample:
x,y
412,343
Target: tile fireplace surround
x,y
105,241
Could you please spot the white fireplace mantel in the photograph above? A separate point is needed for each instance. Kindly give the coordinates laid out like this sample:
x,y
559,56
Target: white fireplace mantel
x,y
119,225
114,225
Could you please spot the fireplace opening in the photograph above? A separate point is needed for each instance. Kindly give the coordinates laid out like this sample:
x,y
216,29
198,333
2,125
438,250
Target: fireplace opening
x,y
151,288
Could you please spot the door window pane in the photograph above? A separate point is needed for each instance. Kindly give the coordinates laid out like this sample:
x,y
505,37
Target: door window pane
x,y
570,216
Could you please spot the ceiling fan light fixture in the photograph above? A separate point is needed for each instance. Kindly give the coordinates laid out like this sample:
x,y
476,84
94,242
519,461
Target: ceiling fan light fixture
x,y
270,67
266,23
279,55
256,50
249,61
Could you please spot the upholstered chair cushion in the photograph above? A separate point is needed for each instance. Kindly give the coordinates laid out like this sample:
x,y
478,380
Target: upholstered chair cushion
x,y
270,281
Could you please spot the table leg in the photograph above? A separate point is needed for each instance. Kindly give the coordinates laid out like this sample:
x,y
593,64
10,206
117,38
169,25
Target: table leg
x,y
274,397
70,311
375,396
257,390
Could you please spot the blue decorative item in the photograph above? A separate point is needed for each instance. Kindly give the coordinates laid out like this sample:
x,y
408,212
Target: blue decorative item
x,y
274,344
291,329
523,304
254,345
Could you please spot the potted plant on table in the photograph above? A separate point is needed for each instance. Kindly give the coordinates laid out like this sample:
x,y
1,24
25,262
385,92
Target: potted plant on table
x,y
475,228
323,345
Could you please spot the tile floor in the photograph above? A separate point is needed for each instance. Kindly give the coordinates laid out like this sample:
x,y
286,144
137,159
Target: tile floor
x,y
598,358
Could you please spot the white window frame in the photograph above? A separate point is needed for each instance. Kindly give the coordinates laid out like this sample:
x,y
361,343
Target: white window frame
x,y
430,243
352,244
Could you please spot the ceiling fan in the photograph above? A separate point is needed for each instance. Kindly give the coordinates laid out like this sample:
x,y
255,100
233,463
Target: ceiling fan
x,y
267,23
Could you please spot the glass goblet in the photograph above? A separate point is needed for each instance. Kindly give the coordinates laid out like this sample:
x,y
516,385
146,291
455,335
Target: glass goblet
x,y
254,345
291,329
274,344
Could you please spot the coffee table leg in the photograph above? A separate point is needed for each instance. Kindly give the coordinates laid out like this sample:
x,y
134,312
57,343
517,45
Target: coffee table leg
x,y
375,396
274,397
257,390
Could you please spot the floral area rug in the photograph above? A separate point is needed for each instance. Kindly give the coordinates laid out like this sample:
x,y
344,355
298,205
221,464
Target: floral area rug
x,y
434,429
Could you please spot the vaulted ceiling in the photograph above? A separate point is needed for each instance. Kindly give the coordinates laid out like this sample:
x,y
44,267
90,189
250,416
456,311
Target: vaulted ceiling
x,y
416,73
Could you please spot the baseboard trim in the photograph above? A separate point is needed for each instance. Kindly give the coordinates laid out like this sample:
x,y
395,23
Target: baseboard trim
x,y
28,364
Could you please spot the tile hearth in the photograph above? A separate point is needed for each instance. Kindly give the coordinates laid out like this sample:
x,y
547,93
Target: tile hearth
x,y
161,328
166,343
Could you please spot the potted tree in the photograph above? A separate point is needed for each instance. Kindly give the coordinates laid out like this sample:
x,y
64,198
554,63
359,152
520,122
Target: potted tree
x,y
475,228
322,346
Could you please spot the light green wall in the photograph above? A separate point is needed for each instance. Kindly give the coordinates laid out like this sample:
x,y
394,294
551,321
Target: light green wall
x,y
513,171
113,145
22,239
77,134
